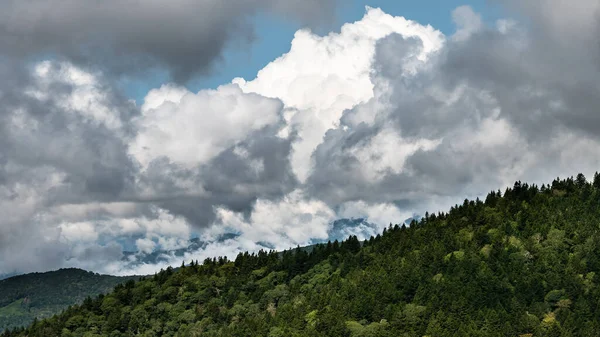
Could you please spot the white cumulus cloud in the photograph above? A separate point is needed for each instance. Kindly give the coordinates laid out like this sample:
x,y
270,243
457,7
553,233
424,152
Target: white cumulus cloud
x,y
190,129
321,76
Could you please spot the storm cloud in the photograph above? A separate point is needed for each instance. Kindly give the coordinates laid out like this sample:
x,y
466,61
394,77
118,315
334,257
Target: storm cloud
x,y
126,37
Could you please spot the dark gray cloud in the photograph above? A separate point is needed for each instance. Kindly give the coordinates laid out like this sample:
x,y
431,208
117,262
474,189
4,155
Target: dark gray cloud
x,y
49,132
130,37
99,255
256,167
52,153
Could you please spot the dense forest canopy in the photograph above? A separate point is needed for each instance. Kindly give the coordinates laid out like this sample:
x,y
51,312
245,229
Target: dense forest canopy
x,y
520,263
39,295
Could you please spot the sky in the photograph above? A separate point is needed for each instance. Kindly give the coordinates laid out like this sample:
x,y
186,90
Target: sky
x,y
137,130
273,35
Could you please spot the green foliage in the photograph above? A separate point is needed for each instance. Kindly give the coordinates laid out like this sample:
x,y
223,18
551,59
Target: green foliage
x,y
522,263
40,295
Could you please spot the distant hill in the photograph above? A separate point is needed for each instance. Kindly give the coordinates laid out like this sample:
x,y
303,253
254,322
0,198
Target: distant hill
x,y
25,297
40,295
5,276
525,262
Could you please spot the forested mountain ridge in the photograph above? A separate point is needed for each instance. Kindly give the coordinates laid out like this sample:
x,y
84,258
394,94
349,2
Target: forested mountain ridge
x,y
520,263
39,295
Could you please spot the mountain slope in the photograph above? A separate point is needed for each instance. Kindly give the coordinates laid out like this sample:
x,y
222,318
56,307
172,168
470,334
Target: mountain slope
x,y
521,263
39,295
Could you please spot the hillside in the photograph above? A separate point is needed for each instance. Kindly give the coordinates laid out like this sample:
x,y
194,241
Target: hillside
x,y
520,263
39,295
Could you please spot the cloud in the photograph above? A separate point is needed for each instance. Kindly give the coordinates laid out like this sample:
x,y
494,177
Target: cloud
x,y
78,232
383,120
95,256
482,112
62,141
185,38
70,172
561,20
294,220
320,77
67,121
256,167
191,129
467,21
145,245
380,215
